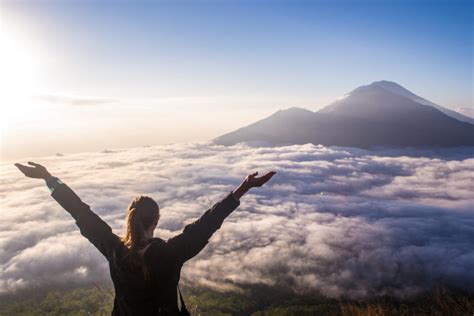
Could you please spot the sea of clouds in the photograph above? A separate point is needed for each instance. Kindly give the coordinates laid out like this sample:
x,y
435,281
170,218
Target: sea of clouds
x,y
339,221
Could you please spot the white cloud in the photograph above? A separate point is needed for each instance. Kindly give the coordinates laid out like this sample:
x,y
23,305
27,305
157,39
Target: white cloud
x,y
74,100
335,220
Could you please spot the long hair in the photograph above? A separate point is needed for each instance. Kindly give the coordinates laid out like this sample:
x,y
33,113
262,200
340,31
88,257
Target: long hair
x,y
142,212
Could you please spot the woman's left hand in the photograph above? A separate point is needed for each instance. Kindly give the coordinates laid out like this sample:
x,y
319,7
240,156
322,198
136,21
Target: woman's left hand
x,y
37,171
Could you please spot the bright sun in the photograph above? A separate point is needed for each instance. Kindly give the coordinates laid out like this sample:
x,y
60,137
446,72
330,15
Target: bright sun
x,y
18,78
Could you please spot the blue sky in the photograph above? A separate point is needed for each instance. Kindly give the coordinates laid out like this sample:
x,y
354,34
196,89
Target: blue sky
x,y
238,59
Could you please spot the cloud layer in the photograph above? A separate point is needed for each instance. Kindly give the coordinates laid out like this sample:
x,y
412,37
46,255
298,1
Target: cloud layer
x,y
333,220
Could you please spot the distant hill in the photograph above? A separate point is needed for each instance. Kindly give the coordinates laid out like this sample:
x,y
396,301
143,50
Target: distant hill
x,y
380,114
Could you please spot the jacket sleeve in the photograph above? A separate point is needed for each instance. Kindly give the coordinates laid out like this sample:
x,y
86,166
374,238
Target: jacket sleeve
x,y
90,224
196,235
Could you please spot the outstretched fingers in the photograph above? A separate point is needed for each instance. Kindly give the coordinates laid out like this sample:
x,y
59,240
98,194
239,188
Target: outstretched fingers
x,y
27,171
264,179
34,164
269,175
21,167
37,171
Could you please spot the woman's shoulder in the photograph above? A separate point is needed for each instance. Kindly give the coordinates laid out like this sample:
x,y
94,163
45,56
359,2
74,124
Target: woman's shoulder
x,y
160,250
162,247
157,239
156,245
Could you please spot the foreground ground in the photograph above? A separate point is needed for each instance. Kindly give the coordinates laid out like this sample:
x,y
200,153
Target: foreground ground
x,y
97,300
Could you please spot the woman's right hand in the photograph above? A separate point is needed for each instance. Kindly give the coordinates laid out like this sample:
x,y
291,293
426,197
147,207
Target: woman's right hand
x,y
253,181
36,172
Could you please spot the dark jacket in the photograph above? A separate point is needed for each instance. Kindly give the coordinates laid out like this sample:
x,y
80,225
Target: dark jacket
x,y
156,295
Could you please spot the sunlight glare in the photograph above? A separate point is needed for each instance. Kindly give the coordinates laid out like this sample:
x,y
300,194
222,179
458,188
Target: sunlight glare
x,y
18,78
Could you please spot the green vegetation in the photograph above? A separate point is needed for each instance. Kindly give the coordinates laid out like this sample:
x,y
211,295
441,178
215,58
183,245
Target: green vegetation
x,y
83,301
257,301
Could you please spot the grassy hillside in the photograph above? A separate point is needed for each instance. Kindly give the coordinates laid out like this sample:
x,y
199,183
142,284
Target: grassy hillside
x,y
256,302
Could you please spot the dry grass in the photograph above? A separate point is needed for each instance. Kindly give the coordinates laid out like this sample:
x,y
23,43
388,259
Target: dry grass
x,y
439,303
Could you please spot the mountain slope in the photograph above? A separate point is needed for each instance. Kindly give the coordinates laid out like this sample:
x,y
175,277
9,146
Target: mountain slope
x,y
397,89
368,116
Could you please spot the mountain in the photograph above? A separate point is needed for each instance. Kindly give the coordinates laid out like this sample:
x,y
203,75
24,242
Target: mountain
x,y
398,89
380,114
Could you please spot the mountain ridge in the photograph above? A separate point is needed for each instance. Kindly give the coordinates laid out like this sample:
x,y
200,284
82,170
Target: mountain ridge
x,y
368,116
396,88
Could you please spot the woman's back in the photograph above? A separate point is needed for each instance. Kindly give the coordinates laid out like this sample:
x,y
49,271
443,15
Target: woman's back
x,y
154,295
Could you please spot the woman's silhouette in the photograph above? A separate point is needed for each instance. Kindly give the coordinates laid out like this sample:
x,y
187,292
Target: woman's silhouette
x,y
145,270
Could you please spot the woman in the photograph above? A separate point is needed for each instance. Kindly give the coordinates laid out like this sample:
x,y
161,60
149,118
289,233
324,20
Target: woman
x,y
145,270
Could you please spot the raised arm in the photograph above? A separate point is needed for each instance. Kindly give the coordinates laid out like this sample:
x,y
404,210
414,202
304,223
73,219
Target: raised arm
x,y
90,224
196,235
